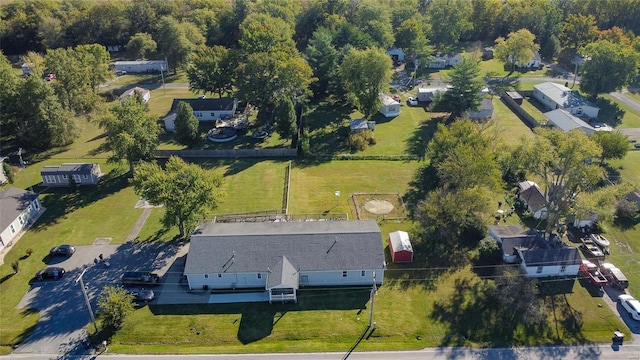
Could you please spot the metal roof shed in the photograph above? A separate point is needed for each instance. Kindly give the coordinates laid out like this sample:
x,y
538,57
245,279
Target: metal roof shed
x,y
400,247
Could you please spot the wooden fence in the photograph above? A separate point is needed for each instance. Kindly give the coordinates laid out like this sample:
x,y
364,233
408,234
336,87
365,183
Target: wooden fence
x,y
230,153
529,120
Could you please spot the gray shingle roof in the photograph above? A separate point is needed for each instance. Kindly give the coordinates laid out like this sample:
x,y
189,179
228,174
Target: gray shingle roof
x,y
551,257
310,245
522,241
534,198
567,122
69,168
206,104
13,202
283,273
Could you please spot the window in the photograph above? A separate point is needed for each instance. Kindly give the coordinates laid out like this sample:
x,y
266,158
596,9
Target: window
x,y
563,268
13,230
539,270
344,274
206,276
20,220
259,276
219,275
213,114
362,273
85,176
76,178
64,177
50,179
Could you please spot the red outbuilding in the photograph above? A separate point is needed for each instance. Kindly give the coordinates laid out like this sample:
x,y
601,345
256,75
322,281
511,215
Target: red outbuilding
x,y
400,247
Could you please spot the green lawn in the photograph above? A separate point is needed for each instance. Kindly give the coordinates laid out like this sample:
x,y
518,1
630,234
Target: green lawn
x,y
635,95
509,126
631,119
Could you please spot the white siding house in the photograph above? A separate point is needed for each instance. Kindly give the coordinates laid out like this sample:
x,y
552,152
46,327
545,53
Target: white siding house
x,y
203,110
535,200
534,62
563,120
427,94
141,66
390,107
144,93
563,262
555,96
280,257
484,112
18,208
63,175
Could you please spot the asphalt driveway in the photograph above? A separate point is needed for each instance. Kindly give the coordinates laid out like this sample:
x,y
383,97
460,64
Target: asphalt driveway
x,y
63,312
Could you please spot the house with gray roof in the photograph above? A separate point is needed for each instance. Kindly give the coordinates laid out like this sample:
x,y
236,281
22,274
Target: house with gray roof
x,y
18,208
484,112
556,96
64,175
144,94
278,258
537,254
204,109
563,120
533,198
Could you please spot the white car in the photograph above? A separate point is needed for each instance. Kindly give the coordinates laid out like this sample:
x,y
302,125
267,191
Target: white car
x,y
630,304
412,101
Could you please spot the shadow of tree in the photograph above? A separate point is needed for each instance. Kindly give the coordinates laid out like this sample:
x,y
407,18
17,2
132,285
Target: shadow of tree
x,y
419,140
610,112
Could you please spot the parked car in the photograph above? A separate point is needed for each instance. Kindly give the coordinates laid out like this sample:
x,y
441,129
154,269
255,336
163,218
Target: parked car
x,y
140,278
614,275
412,101
50,76
62,250
142,294
630,304
52,272
120,72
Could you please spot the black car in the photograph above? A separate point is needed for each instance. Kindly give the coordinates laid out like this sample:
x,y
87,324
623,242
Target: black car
x,y
50,273
62,250
140,278
142,295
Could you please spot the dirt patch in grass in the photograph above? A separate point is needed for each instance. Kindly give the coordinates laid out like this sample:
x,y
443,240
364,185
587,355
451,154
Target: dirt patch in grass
x,y
376,206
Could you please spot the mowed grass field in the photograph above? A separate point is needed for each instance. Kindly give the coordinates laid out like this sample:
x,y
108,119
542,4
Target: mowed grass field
x,y
412,310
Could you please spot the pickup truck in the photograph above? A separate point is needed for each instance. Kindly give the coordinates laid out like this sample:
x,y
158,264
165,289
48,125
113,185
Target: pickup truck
x,y
140,278
591,272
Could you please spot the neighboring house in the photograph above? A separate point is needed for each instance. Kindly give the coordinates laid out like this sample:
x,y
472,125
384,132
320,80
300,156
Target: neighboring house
x,y
540,262
566,122
62,175
533,198
634,198
534,62
141,66
144,93
361,124
114,48
390,107
400,247
396,54
427,94
203,110
3,176
487,53
510,238
484,112
555,96
278,258
17,209
442,61
25,69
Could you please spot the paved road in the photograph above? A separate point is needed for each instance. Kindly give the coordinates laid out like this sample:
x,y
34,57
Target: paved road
x,y
630,102
589,352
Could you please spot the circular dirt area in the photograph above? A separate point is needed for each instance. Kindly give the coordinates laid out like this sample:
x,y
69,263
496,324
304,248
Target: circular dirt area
x,y
378,207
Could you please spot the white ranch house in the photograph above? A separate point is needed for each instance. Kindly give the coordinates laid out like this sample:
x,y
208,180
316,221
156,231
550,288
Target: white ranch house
x,y
535,200
562,262
278,258
563,120
18,209
141,66
555,96
534,62
62,175
144,94
390,107
203,109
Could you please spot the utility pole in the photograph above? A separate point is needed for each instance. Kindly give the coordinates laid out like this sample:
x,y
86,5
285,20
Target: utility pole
x,y
164,90
374,291
86,299
23,165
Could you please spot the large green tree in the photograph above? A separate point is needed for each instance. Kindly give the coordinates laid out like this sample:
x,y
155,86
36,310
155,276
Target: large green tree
x,y
608,67
286,114
10,86
187,191
186,130
132,132
141,45
322,56
263,33
263,77
116,305
615,145
578,30
177,40
449,20
517,48
366,73
465,93
212,70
